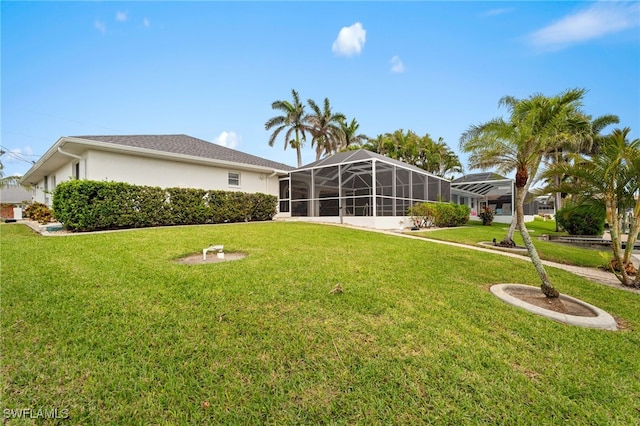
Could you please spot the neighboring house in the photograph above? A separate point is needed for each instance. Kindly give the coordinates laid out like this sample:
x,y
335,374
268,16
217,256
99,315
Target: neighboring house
x,y
152,160
496,192
13,199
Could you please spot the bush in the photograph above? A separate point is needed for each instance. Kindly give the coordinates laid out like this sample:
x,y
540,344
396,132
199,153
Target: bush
x,y
83,205
581,219
439,214
39,212
486,215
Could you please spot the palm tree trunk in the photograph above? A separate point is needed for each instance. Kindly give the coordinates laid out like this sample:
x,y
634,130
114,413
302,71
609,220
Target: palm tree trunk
x,y
616,243
546,286
634,228
512,228
298,148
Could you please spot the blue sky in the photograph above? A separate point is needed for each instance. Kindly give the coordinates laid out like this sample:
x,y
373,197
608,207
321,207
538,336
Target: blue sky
x,y
212,69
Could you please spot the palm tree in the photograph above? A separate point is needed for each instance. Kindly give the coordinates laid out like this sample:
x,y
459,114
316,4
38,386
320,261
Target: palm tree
x,y
324,126
592,139
535,127
7,180
441,159
292,120
350,136
378,144
610,175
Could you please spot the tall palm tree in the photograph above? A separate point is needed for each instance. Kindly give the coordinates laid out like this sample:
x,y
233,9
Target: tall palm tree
x,y
350,135
591,139
610,175
324,126
535,127
292,120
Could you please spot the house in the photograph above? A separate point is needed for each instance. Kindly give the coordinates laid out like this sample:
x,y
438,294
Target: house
x,y
152,160
13,199
358,187
496,192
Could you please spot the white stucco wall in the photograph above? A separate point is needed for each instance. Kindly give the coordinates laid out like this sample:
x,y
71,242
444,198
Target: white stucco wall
x,y
109,166
54,179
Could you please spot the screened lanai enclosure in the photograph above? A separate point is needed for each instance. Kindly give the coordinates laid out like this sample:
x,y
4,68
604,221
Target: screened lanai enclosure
x,y
359,187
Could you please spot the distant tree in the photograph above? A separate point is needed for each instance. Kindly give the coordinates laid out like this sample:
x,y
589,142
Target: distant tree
x,y
587,138
440,159
350,136
325,129
292,120
7,180
431,156
609,175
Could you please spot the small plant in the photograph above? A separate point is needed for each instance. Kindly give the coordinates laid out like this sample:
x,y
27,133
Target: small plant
x,y
486,215
39,212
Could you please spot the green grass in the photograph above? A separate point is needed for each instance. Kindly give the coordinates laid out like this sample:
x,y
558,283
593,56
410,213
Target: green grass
x,y
108,327
475,233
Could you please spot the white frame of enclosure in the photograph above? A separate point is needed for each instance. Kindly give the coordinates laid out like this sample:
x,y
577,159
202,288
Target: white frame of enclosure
x,y
353,192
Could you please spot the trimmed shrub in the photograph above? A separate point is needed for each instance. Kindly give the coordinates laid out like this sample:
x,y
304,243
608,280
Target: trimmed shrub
x,y
442,215
84,205
582,219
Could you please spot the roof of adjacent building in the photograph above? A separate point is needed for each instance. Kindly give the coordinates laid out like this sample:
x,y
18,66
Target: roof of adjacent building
x,y
479,177
14,194
187,145
487,183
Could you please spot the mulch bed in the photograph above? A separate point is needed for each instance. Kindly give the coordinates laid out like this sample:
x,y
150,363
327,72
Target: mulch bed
x,y
535,297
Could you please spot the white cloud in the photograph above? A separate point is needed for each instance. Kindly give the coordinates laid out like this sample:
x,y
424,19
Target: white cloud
x,y
496,12
121,16
100,26
146,22
396,65
228,139
17,155
596,21
350,40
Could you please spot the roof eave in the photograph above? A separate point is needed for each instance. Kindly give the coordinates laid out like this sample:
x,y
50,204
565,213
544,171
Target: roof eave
x,y
145,152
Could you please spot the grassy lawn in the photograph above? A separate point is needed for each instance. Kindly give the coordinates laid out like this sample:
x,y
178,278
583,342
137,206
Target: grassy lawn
x,y
108,327
475,233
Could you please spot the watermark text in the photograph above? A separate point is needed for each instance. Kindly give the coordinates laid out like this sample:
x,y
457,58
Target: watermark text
x,y
35,413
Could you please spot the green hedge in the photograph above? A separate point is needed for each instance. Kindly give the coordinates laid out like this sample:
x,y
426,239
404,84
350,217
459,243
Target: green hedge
x,y
582,219
85,205
442,215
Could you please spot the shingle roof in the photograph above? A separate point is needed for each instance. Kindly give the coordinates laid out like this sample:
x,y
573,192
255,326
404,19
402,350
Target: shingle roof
x,y
187,145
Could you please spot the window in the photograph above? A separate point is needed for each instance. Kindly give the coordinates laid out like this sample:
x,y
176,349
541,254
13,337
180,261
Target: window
x,y
76,170
234,179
